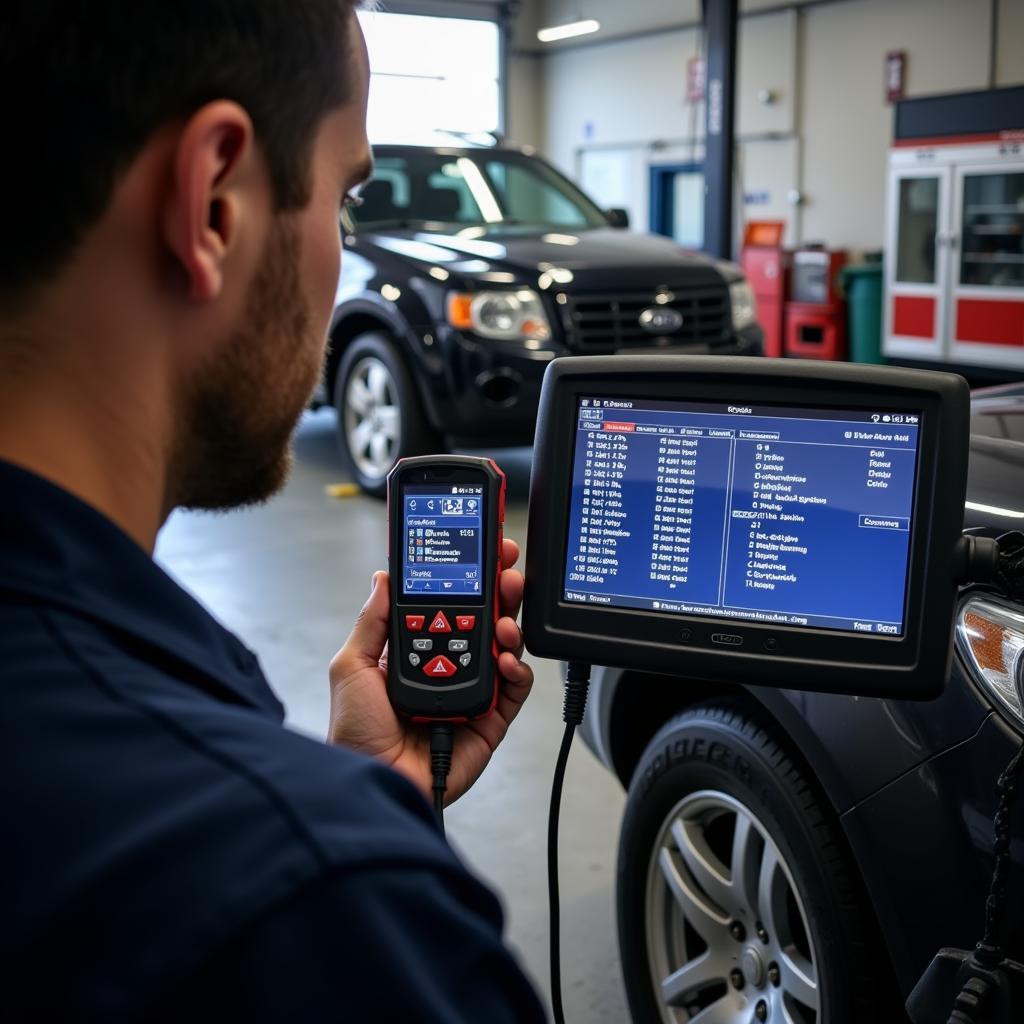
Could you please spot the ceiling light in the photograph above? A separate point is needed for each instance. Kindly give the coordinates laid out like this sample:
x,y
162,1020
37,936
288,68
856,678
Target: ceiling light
x,y
574,28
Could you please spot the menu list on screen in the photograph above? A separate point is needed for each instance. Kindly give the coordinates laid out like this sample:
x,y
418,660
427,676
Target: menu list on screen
x,y
442,529
779,515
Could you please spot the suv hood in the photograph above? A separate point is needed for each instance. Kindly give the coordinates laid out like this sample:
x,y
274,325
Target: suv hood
x,y
633,257
995,495
999,412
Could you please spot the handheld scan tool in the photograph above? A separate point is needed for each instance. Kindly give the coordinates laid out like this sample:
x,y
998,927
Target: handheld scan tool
x,y
445,516
772,522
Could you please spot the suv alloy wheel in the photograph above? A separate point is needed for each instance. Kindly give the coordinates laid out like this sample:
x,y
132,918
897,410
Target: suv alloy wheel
x,y
736,900
380,419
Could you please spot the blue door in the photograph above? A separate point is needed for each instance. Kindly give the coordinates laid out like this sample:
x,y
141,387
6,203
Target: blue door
x,y
677,203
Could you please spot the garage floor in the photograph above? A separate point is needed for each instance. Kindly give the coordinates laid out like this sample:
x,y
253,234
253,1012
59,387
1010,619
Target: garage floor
x,y
289,578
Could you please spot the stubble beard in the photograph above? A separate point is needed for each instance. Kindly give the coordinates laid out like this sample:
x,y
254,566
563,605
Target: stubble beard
x,y
241,411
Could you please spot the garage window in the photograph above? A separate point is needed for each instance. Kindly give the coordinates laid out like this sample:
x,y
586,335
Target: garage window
x,y
430,75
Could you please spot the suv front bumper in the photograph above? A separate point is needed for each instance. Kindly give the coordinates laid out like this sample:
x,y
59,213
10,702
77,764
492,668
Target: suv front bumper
x,y
487,392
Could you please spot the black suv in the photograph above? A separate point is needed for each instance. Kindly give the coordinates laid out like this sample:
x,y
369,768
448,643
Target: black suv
x,y
469,271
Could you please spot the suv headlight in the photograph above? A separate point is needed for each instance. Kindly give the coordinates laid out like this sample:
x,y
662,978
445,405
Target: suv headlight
x,y
744,306
990,638
502,315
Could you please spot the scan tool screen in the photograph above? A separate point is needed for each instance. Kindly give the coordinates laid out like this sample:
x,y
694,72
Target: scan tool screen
x,y
789,516
442,528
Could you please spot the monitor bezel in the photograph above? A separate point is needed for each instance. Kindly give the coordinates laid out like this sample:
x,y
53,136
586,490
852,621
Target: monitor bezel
x,y
912,666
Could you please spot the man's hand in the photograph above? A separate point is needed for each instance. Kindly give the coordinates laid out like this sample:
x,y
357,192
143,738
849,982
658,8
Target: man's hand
x,y
362,717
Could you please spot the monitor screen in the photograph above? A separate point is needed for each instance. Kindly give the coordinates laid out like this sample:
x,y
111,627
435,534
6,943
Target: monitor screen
x,y
442,527
778,515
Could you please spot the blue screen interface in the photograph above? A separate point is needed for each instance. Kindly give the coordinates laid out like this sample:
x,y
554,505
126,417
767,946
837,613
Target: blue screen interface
x,y
442,527
779,515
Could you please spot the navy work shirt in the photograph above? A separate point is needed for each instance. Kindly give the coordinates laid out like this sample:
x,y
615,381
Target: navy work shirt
x,y
169,850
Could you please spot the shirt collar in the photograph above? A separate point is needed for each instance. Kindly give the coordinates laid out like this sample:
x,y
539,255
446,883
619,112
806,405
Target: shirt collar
x,y
57,550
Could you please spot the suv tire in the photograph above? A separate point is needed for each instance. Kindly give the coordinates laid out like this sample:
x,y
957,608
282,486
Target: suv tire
x,y
715,797
380,418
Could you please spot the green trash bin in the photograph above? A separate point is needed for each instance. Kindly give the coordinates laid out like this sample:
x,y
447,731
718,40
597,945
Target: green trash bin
x,y
863,285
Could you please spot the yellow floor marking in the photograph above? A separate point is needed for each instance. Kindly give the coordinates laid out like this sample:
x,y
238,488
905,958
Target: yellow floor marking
x,y
342,490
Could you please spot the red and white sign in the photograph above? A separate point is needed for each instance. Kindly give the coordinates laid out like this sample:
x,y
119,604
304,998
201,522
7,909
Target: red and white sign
x,y
895,75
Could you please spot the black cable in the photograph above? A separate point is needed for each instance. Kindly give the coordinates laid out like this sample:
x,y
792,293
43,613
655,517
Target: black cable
x,y
991,948
553,907
984,969
441,738
577,683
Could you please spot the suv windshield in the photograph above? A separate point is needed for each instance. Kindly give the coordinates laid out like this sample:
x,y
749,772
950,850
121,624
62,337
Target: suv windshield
x,y
488,188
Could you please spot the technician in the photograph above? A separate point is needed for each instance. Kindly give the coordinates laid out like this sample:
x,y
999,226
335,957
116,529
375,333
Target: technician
x,y
171,185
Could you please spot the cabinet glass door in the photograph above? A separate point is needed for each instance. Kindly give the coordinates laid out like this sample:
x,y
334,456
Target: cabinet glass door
x,y
992,230
916,269
987,325
917,227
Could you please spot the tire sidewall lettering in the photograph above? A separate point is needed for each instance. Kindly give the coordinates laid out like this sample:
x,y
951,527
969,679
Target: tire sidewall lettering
x,y
704,750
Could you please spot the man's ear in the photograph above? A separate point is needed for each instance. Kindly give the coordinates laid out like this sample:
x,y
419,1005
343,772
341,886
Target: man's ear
x,y
212,169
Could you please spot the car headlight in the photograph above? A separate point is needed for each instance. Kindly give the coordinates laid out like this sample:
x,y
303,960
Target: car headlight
x,y
744,306
503,315
990,638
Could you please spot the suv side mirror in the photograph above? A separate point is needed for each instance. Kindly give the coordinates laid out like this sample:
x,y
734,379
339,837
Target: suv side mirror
x,y
617,217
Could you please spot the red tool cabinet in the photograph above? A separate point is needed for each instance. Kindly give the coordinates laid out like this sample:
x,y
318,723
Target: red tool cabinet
x,y
766,266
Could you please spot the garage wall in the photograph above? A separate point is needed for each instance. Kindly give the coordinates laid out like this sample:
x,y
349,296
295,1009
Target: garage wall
x,y
620,105
1010,43
846,125
628,101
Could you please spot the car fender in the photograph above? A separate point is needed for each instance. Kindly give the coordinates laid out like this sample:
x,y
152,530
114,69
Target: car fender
x,y
852,746
368,311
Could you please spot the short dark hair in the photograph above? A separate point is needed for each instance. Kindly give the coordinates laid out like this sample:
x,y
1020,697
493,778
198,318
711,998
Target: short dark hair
x,y
85,83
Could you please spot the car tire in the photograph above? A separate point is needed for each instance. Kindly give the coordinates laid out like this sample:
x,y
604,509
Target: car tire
x,y
380,418
736,894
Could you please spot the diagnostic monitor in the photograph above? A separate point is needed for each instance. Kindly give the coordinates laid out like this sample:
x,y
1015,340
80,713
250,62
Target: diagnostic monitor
x,y
762,521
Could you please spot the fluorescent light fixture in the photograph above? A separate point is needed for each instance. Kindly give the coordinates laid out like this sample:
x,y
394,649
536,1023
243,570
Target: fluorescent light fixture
x,y
574,28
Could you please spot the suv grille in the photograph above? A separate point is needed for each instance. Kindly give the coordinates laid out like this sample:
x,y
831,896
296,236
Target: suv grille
x,y
607,321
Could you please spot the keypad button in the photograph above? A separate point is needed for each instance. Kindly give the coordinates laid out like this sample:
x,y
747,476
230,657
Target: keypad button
x,y
440,624
422,645
439,667
465,623
465,659
458,645
414,659
415,623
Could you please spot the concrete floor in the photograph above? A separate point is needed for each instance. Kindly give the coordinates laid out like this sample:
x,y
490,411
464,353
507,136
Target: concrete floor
x,y
289,579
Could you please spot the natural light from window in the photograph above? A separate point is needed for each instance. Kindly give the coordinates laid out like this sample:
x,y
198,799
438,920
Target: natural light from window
x,y
430,75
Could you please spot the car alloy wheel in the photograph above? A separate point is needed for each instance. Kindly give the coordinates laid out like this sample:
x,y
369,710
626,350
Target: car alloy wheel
x,y
373,418
727,934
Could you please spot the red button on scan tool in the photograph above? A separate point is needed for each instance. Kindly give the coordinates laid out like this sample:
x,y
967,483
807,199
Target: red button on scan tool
x,y
440,624
465,623
439,667
414,623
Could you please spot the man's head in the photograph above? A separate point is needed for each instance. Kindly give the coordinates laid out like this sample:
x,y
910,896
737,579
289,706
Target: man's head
x,y
199,151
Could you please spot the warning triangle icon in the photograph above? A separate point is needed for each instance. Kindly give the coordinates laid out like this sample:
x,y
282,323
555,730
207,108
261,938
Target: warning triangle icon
x,y
439,668
440,624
